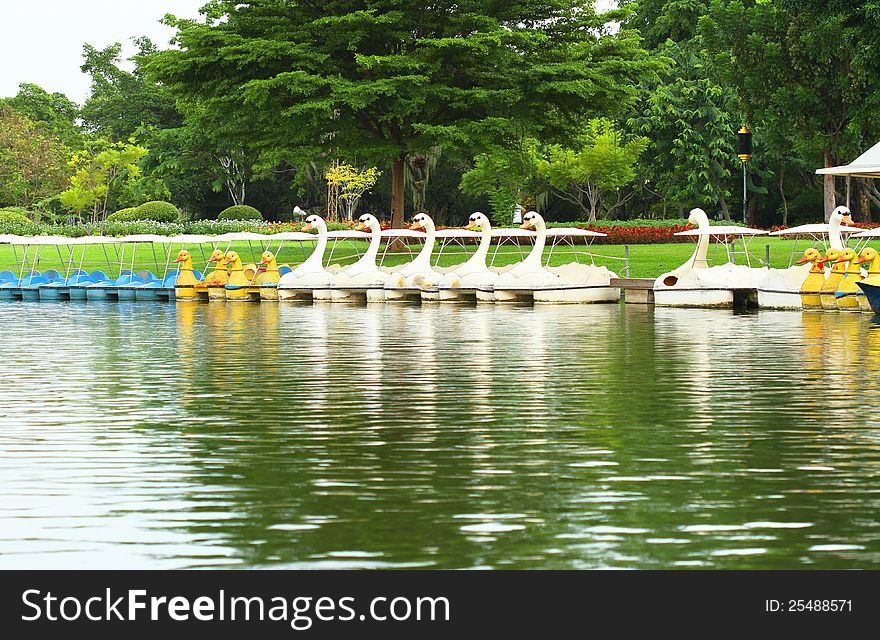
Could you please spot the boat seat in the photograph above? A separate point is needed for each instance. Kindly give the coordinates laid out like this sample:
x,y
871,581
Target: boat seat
x,y
198,275
146,276
52,275
170,280
98,276
284,269
7,276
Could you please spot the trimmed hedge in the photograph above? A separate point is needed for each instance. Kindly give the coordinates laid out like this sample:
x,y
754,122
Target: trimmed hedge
x,y
123,215
240,212
157,211
14,215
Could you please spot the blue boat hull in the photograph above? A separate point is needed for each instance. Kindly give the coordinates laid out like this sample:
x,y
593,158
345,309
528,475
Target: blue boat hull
x,y
77,293
126,294
30,293
100,293
872,293
53,293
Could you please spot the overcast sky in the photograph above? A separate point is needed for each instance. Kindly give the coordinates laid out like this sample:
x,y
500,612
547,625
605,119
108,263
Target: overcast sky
x,y
41,40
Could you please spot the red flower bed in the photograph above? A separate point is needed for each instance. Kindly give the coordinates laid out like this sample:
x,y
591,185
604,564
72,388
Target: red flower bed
x,y
641,235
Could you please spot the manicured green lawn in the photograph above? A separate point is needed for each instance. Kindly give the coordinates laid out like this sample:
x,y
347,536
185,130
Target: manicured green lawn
x,y
645,260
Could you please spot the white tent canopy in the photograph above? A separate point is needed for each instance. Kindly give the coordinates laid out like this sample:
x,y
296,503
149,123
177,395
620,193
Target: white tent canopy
x,y
866,165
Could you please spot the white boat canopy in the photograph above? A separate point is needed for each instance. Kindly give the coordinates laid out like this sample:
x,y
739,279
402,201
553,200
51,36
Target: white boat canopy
x,y
144,237
457,233
403,233
868,233
866,165
729,230
574,232
348,233
513,232
8,238
817,229
294,236
241,236
190,238
94,240
45,241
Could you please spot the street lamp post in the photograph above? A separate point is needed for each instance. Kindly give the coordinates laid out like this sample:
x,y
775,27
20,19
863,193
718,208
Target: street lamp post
x,y
744,153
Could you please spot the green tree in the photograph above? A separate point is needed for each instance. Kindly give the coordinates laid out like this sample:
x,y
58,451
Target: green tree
x,y
33,162
101,174
384,80
120,102
602,162
505,175
800,74
54,112
689,120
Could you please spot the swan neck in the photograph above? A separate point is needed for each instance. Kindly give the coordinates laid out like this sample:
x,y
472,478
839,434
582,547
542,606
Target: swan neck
x,y
534,258
316,260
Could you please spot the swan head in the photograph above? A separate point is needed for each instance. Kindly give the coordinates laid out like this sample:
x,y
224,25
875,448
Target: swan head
x,y
532,220
314,222
183,256
421,221
217,256
478,220
830,256
368,221
810,255
867,255
698,218
841,215
847,255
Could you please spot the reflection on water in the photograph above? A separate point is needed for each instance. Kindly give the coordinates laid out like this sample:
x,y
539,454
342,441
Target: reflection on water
x,y
192,435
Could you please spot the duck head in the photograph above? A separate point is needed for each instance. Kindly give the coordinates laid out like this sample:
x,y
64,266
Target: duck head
x,y
810,255
847,255
233,259
368,221
532,221
830,257
218,256
477,220
868,255
268,259
184,258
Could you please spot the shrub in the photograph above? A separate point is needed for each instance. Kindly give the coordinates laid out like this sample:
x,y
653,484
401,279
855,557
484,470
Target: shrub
x,y
123,215
157,211
240,212
14,214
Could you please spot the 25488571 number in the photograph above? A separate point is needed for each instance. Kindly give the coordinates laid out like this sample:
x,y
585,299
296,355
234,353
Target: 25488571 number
x,y
798,606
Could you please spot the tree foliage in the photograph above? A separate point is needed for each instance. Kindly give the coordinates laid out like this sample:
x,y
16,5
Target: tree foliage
x,y
33,162
601,162
383,80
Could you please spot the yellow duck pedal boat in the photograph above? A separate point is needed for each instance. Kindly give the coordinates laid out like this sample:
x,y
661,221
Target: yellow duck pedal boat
x,y
848,292
815,280
267,279
870,256
239,288
216,281
835,277
186,283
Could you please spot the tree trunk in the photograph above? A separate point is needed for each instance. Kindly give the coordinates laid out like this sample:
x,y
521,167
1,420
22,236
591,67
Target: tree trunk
x,y
782,195
752,212
725,210
864,201
828,181
398,186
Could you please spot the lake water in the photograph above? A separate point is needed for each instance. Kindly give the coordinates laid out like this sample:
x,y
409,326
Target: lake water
x,y
182,435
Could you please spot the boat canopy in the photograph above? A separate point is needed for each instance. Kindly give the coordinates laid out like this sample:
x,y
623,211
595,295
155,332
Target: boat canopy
x,y
8,238
574,232
348,233
46,241
817,229
728,230
241,236
403,233
866,165
457,233
514,232
145,237
190,238
868,233
293,236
